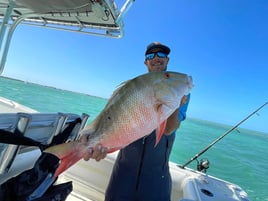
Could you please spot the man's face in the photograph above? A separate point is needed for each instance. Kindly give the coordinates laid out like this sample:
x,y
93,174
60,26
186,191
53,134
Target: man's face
x,y
156,61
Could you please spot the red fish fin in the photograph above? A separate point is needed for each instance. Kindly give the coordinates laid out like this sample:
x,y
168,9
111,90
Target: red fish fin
x,y
68,153
114,149
160,131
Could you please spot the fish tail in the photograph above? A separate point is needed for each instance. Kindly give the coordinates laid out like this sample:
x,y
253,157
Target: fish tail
x,y
68,153
67,162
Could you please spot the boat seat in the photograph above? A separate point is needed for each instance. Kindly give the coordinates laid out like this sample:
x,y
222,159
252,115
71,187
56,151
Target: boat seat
x,y
41,127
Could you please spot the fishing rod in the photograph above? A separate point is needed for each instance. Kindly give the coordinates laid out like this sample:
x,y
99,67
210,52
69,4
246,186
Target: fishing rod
x,y
226,133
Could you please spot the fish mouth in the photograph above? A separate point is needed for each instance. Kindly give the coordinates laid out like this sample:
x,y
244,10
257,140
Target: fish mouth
x,y
190,82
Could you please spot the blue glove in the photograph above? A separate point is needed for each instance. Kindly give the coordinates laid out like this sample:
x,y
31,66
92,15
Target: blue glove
x,y
183,109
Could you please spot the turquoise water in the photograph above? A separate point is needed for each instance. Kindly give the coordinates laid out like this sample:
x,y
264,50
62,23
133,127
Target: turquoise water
x,y
240,157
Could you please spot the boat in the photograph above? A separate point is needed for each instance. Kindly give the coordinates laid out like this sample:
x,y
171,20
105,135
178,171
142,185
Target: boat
x,y
95,17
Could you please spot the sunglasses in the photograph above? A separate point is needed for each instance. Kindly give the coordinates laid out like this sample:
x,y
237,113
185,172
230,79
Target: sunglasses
x,y
150,56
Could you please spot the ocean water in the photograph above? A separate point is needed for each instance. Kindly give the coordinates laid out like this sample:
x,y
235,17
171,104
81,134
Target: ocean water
x,y
241,157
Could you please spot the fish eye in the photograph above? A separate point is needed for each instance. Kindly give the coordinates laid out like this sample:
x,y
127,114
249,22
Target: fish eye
x,y
167,75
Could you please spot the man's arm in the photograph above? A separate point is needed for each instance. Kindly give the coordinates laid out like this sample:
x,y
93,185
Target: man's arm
x,y
172,122
179,115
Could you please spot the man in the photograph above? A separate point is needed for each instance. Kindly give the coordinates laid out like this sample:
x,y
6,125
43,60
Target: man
x,y
141,171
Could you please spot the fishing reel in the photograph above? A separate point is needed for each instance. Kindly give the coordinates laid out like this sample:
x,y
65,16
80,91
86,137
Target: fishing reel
x,y
203,165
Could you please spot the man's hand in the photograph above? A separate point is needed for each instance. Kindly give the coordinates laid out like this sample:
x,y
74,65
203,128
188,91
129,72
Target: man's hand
x,y
98,152
184,100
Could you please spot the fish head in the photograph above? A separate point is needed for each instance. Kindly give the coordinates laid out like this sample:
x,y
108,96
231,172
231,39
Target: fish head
x,y
169,88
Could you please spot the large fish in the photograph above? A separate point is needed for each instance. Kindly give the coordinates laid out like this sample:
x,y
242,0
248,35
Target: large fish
x,y
135,109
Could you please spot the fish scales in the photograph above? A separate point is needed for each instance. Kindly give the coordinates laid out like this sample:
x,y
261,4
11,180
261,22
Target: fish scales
x,y
125,115
131,113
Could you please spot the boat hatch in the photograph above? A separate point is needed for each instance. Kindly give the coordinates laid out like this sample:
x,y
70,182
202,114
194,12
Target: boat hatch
x,y
96,17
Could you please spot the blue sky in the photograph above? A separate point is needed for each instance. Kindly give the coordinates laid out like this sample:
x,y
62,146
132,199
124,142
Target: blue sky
x,y
223,45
